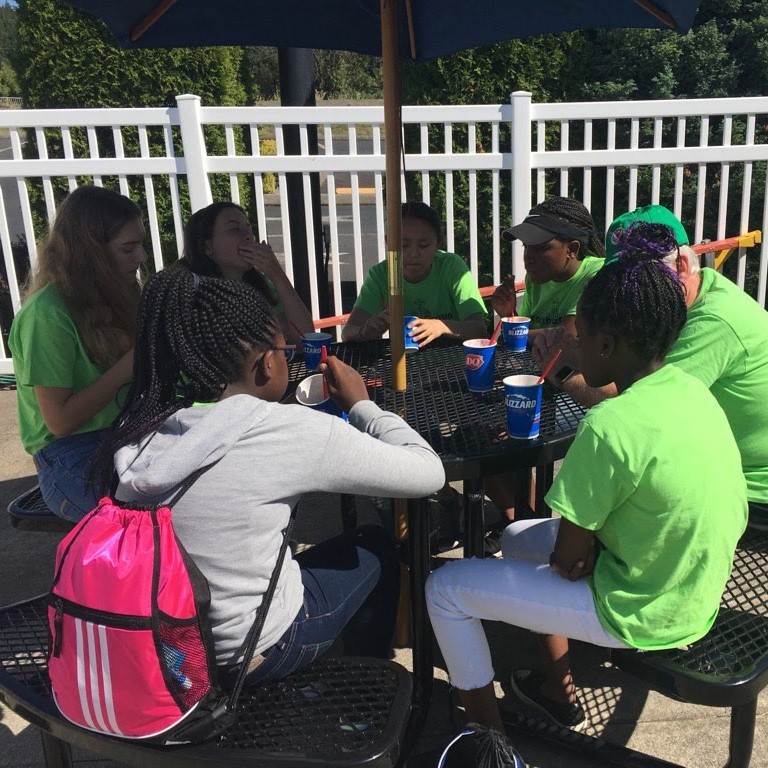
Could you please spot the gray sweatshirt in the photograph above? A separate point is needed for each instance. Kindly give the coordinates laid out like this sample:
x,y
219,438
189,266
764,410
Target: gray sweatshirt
x,y
232,518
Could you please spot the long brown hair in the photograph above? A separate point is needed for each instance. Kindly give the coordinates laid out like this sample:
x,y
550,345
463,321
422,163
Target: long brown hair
x,y
198,232
76,260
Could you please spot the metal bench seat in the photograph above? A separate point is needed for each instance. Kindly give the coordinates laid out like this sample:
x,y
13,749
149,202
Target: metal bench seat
x,y
728,667
29,512
337,712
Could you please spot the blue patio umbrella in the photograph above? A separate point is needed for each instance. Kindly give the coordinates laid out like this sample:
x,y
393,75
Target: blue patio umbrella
x,y
396,30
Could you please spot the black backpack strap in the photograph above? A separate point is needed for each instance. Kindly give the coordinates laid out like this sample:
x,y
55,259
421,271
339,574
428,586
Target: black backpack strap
x,y
261,616
189,482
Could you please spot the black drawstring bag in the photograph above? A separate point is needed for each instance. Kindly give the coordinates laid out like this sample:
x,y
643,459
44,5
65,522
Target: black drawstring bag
x,y
478,747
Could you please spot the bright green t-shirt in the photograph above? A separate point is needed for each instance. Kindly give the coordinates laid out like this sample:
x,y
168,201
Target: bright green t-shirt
x,y
47,351
448,292
549,303
655,473
725,344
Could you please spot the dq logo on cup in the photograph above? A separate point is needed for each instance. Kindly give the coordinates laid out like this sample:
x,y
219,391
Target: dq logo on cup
x,y
515,332
309,392
313,344
522,397
479,359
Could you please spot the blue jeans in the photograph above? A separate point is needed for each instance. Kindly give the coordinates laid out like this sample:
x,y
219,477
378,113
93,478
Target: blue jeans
x,y
350,589
62,471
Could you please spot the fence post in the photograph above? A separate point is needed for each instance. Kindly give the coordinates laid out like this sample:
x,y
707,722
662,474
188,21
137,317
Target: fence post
x,y
195,155
521,170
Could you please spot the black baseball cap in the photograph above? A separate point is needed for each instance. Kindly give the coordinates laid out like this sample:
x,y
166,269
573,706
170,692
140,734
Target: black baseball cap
x,y
538,228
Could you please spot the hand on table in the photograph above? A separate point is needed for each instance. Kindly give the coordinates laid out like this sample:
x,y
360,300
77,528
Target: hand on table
x,y
345,385
425,330
504,298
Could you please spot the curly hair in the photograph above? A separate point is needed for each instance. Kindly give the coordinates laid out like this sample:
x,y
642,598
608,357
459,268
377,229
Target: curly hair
x,y
193,337
76,259
639,297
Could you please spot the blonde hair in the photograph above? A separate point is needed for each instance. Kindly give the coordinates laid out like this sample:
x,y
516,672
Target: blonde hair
x,y
76,260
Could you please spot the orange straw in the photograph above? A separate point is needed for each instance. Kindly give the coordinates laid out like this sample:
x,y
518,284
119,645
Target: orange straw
x,y
495,334
323,359
550,366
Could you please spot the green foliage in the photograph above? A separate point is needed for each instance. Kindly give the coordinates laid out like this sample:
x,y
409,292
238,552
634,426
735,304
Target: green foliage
x,y
7,31
338,75
67,59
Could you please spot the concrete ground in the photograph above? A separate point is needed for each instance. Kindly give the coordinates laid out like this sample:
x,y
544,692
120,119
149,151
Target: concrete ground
x,y
620,709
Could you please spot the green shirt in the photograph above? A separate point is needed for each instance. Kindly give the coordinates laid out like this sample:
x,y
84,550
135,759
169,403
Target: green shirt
x,y
448,292
655,473
549,303
725,344
47,351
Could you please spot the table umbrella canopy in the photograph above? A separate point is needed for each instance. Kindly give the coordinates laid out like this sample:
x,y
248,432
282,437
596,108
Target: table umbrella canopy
x,y
427,28
393,29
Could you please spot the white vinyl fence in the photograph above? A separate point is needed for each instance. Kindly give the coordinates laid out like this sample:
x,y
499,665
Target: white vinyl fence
x,y
481,166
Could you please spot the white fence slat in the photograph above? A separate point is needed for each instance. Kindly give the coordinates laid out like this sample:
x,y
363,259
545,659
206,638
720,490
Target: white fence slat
x,y
234,185
93,152
378,184
565,127
449,220
701,183
149,191
333,223
746,198
173,184
42,151
66,142
117,136
21,186
472,150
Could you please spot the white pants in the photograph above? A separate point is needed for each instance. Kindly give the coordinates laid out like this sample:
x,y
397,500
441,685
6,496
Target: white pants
x,y
520,589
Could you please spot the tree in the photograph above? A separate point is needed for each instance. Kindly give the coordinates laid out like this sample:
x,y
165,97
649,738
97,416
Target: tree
x,y
68,59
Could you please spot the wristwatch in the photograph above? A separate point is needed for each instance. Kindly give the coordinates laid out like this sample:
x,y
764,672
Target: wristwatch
x,y
564,374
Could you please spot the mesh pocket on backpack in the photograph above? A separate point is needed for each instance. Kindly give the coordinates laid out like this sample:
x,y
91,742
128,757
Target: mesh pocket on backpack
x,y
185,660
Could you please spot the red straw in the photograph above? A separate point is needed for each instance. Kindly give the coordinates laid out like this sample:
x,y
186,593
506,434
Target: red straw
x,y
550,366
323,359
495,334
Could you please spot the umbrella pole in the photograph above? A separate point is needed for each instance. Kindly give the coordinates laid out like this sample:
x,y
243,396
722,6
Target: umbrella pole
x,y
392,132
390,55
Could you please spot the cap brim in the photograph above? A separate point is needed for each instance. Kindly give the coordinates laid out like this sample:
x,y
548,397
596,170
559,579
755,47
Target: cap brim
x,y
528,234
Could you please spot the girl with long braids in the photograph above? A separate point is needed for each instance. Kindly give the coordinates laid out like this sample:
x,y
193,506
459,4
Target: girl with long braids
x,y
645,541
211,366
562,254
72,340
219,242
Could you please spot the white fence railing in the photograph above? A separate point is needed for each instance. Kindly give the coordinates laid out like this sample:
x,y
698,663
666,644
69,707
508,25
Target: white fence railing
x,y
481,166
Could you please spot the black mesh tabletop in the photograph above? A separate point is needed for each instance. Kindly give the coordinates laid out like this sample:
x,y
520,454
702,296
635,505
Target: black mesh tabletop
x,y
466,429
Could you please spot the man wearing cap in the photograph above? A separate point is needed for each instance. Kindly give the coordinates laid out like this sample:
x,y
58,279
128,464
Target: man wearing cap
x,y
562,252
724,344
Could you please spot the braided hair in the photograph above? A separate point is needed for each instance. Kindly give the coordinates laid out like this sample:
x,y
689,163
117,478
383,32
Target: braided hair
x,y
575,213
193,337
638,297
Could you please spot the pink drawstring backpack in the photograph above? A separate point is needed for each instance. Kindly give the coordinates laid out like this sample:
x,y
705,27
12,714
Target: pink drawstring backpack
x,y
131,652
